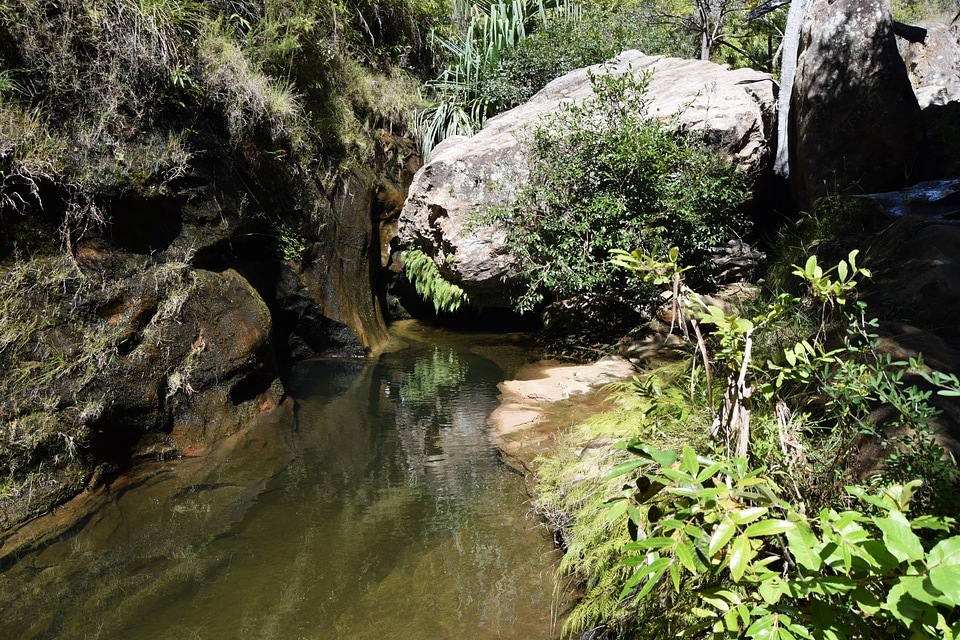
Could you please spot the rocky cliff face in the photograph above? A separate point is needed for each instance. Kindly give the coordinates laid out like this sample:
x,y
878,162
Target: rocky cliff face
x,y
164,327
734,109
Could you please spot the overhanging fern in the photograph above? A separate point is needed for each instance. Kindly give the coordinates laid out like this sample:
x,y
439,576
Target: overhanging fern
x,y
430,284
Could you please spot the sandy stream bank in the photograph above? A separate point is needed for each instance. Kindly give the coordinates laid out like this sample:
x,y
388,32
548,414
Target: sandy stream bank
x,y
546,397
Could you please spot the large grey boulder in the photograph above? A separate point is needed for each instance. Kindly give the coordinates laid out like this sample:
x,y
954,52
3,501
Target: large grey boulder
x,y
735,109
857,120
934,64
934,69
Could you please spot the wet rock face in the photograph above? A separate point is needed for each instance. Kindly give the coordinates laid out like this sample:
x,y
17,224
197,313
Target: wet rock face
x,y
120,355
160,331
857,121
735,110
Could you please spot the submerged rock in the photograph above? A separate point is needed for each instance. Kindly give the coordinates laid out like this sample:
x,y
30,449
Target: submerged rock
x,y
548,396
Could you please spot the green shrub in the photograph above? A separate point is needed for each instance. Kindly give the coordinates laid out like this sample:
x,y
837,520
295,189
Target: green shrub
x,y
561,45
915,10
249,99
874,570
573,495
771,541
462,102
603,175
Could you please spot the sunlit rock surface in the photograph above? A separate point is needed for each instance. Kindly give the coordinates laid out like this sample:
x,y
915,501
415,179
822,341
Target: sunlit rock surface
x,y
734,109
934,64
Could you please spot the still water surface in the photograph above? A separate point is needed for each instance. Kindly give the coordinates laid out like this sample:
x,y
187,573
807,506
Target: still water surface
x,y
382,511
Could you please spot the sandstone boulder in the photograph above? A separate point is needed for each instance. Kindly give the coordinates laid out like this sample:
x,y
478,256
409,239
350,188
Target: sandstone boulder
x,y
735,109
934,64
934,69
857,121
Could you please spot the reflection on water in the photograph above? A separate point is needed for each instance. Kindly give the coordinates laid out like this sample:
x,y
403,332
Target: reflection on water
x,y
383,512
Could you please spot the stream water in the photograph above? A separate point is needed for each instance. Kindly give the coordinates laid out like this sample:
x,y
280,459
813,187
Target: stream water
x,y
382,511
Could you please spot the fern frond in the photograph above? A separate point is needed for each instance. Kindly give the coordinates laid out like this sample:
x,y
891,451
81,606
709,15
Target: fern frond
x,y
421,270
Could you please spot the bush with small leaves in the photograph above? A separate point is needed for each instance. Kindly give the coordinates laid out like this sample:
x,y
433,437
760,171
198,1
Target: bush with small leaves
x,y
604,174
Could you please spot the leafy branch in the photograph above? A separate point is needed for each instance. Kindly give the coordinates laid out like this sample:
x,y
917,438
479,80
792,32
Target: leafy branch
x,y
836,575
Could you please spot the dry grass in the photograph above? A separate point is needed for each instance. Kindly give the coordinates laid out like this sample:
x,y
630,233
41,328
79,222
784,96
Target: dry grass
x,y
249,98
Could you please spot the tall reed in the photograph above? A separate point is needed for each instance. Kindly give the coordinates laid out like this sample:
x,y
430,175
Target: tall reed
x,y
460,106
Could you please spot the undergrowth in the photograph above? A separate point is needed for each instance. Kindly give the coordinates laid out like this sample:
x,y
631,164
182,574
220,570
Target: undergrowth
x,y
106,99
790,432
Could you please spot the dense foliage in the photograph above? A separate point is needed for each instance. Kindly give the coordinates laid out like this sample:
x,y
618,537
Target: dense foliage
x,y
725,544
510,50
603,174
99,99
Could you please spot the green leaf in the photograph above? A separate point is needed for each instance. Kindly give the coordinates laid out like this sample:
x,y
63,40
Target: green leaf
x,y
946,579
864,494
664,458
616,510
653,575
763,627
768,528
721,599
907,609
690,462
842,271
679,476
721,536
784,634
649,543
740,556
791,357
852,258
685,555
708,472
901,541
865,600
675,577
745,516
876,554
731,620
772,589
946,552
823,585
624,467
803,546
671,524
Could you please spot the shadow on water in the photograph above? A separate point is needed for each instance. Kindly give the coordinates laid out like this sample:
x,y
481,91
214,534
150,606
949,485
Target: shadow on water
x,y
381,512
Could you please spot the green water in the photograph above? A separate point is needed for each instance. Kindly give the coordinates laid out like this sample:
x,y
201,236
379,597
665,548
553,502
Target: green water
x,y
382,511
